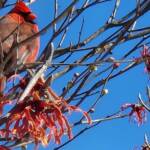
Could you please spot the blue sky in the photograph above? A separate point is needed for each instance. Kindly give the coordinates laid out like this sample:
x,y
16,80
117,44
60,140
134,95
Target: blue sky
x,y
117,134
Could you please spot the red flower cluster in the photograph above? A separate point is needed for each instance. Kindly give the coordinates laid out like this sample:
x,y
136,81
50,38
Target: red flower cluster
x,y
39,117
145,53
137,111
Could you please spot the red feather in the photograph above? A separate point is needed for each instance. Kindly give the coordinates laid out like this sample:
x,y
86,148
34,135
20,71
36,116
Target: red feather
x,y
17,26
21,7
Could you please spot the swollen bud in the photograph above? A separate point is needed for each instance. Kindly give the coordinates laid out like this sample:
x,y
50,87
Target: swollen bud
x,y
116,65
92,110
93,68
76,74
111,59
69,85
105,91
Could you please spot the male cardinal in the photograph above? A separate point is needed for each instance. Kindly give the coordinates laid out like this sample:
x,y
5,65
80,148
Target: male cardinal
x,y
15,27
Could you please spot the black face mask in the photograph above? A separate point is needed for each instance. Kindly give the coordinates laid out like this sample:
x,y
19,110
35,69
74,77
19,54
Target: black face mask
x,y
25,16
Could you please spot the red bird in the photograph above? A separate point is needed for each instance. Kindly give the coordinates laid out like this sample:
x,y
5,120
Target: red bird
x,y
15,27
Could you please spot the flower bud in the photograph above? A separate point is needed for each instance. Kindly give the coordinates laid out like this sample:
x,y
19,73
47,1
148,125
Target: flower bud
x,y
116,65
93,68
69,85
105,91
110,59
92,110
76,74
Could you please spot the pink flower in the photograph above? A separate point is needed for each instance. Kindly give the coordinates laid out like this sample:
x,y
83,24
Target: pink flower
x,y
137,111
145,53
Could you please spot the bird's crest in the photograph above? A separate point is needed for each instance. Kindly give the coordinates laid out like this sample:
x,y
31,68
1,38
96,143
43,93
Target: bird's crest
x,y
22,9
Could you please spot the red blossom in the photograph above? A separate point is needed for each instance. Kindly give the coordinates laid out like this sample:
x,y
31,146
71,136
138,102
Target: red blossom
x,y
137,111
39,116
145,53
